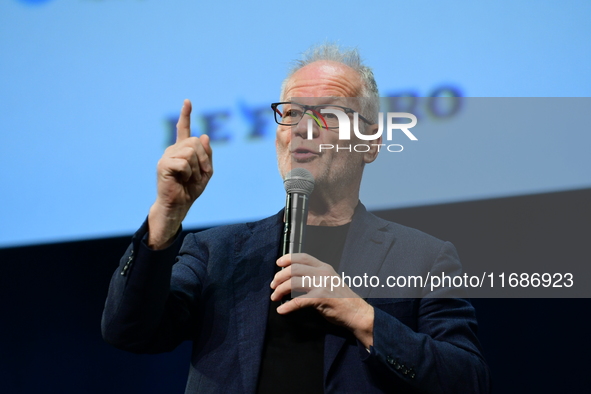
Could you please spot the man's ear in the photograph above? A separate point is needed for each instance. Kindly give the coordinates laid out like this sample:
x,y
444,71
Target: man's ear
x,y
374,145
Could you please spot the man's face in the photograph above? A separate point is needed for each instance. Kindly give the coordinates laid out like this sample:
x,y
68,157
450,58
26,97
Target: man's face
x,y
322,79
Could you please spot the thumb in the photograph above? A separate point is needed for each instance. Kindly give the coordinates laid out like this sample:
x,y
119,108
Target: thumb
x,y
205,141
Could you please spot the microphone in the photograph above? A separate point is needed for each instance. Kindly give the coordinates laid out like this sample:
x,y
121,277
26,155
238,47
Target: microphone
x,y
299,184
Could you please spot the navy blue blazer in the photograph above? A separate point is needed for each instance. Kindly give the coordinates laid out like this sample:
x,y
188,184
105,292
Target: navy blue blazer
x,y
217,295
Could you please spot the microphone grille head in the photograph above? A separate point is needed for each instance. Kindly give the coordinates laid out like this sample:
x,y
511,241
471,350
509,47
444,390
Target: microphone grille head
x,y
299,180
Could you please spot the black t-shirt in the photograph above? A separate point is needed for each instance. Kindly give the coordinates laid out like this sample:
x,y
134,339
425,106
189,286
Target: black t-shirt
x,y
293,354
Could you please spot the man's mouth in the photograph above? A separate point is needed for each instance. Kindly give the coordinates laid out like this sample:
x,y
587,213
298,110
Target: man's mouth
x,y
304,154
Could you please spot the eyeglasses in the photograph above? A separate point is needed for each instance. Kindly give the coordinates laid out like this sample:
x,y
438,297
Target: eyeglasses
x,y
289,113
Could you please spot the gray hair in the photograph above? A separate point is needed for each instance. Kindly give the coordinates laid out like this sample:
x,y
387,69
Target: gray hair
x,y
349,57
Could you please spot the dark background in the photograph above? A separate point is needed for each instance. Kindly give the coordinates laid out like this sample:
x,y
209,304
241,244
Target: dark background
x,y
52,298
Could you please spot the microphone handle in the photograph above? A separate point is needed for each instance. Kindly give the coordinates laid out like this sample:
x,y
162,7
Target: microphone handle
x,y
294,230
296,215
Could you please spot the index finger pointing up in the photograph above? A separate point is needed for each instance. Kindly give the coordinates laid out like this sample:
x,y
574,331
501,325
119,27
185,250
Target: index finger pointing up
x,y
183,126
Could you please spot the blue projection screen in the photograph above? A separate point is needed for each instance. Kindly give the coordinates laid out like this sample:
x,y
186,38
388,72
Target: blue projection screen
x,y
91,90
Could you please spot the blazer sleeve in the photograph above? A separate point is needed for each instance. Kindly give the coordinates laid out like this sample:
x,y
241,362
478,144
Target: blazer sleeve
x,y
436,351
151,300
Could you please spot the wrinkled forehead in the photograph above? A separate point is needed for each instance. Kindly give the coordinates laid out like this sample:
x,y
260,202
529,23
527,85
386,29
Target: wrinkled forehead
x,y
323,79
349,102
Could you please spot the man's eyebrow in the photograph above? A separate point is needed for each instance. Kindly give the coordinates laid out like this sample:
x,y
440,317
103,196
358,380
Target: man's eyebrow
x,y
334,100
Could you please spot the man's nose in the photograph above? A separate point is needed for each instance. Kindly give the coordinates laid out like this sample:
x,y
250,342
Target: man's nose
x,y
301,129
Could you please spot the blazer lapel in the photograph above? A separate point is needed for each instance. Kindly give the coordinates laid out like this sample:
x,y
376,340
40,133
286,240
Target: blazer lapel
x,y
367,245
255,254
368,242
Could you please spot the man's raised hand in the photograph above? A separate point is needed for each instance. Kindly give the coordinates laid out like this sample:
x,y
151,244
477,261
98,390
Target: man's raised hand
x,y
183,172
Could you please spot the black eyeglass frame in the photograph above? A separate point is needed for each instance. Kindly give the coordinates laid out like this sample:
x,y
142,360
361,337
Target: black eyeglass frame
x,y
313,109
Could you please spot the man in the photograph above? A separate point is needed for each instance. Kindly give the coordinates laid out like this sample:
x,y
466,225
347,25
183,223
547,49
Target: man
x,y
224,292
